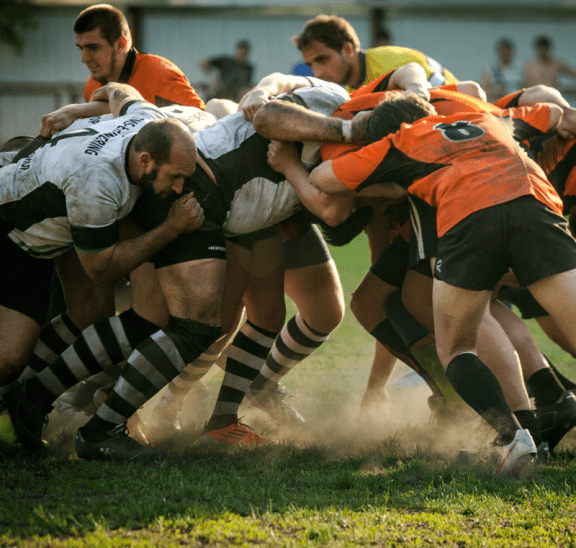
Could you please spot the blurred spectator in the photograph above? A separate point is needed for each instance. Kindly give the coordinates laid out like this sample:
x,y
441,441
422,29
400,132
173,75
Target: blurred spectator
x,y
504,77
382,38
544,68
234,74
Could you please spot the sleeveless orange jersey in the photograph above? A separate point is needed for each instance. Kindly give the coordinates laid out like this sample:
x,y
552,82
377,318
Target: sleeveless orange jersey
x,y
459,164
158,80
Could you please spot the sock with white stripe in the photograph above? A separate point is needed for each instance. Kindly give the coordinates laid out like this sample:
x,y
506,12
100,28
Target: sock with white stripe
x,y
152,365
246,356
99,347
296,341
54,339
188,379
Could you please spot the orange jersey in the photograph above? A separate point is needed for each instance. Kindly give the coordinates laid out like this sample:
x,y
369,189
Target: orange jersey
x,y
158,80
557,158
510,100
459,164
446,101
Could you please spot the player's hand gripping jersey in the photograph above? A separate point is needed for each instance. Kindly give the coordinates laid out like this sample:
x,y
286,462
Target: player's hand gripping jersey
x,y
459,164
255,195
75,188
248,194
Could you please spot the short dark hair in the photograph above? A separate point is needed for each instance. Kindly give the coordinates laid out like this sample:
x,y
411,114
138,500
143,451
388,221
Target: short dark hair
x,y
542,40
157,138
505,43
243,44
398,108
330,30
108,19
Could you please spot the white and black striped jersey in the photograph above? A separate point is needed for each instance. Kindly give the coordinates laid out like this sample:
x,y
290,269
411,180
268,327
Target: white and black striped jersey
x,y
75,188
255,195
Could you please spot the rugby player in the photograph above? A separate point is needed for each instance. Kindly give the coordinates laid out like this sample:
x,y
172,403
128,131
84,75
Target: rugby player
x,y
104,40
464,280
50,205
331,48
224,166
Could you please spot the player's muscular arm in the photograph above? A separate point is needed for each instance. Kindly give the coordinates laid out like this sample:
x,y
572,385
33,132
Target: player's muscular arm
x,y
117,261
334,210
270,86
63,117
284,121
116,95
281,120
105,100
324,179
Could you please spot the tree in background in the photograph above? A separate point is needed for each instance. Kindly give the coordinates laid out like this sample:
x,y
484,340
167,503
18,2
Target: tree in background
x,y
15,16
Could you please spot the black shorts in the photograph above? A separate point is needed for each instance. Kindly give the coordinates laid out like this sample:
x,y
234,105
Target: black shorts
x,y
192,247
247,240
523,300
423,235
25,281
392,264
205,243
307,251
522,234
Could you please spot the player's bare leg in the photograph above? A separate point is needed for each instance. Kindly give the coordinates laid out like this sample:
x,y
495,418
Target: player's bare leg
x,y
18,335
557,295
367,305
458,315
260,287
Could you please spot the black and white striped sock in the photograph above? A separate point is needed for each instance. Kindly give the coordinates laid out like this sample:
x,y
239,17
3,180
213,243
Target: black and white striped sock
x,y
296,341
152,365
54,339
246,356
99,347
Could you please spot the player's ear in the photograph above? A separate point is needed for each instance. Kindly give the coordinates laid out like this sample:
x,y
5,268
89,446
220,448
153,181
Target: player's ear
x,y
121,44
348,49
144,160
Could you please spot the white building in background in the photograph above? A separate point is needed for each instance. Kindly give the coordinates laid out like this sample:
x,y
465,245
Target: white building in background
x,y
459,34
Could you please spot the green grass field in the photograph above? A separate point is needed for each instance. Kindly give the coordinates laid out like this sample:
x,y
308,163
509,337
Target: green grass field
x,y
398,481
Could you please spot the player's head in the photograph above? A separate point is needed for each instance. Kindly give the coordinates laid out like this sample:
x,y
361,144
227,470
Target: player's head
x,y
330,47
392,112
242,50
543,45
104,39
166,155
505,50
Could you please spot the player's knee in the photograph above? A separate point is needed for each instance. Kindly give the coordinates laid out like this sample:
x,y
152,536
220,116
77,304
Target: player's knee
x,y
363,306
326,318
11,365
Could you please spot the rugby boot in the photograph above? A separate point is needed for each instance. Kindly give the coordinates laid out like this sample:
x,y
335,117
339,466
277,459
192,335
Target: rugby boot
x,y
516,456
118,446
236,433
275,404
23,419
556,420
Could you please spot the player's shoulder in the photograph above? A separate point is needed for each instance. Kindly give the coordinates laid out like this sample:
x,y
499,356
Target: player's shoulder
x,y
156,62
320,95
196,119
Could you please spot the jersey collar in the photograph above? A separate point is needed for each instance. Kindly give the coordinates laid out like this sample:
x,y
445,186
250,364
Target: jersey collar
x,y
128,66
